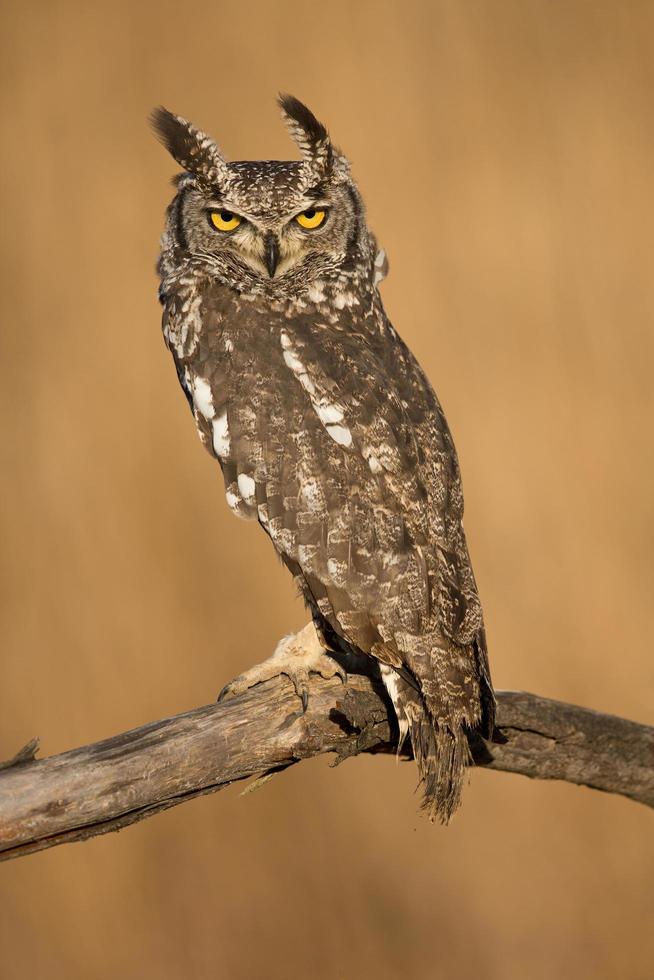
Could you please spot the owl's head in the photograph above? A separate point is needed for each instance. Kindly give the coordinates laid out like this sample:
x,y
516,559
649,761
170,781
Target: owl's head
x,y
265,226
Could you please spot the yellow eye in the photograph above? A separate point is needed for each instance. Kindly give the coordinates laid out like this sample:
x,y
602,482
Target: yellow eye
x,y
310,219
224,220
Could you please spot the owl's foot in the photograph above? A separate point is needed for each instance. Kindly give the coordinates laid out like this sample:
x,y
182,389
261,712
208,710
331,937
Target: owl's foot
x,y
297,656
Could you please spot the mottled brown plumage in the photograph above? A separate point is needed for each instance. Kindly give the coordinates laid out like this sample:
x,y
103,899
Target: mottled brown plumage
x,y
327,431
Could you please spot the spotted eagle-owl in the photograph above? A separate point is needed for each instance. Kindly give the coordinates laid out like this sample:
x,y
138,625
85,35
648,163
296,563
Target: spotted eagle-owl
x,y
326,429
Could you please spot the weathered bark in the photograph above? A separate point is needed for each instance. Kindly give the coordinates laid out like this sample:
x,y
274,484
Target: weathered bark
x,y
108,785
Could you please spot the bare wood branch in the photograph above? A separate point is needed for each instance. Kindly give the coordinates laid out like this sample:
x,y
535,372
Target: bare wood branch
x,y
119,781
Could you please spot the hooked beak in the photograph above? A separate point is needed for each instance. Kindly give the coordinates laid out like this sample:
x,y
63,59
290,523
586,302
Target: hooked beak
x,y
271,256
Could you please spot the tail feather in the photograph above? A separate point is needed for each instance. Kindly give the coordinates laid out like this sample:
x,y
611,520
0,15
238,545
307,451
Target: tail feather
x,y
441,751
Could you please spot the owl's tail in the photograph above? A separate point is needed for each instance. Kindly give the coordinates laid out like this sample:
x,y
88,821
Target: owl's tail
x,y
442,752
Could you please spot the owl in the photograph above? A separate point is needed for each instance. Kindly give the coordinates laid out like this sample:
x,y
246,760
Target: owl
x,y
326,430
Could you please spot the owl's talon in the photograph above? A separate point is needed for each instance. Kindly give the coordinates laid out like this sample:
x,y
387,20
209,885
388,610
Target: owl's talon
x,y
223,694
297,657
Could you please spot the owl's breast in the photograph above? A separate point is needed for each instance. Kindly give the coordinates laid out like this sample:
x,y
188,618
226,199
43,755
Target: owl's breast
x,y
247,403
281,400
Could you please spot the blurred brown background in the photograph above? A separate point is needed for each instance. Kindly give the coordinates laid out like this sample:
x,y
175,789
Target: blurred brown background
x,y
506,152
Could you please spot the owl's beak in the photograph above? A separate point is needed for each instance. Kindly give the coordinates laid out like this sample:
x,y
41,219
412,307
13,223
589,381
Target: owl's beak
x,y
271,253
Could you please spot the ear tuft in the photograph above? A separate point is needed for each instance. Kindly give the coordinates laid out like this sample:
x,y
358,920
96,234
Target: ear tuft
x,y
190,147
310,135
301,121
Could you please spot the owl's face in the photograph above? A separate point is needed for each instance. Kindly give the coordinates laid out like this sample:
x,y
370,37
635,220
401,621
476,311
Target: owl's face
x,y
265,221
265,227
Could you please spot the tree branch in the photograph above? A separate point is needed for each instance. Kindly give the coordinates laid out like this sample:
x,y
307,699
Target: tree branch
x,y
124,779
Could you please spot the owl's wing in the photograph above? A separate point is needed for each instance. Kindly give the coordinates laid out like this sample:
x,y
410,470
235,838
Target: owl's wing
x,y
351,513
374,519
